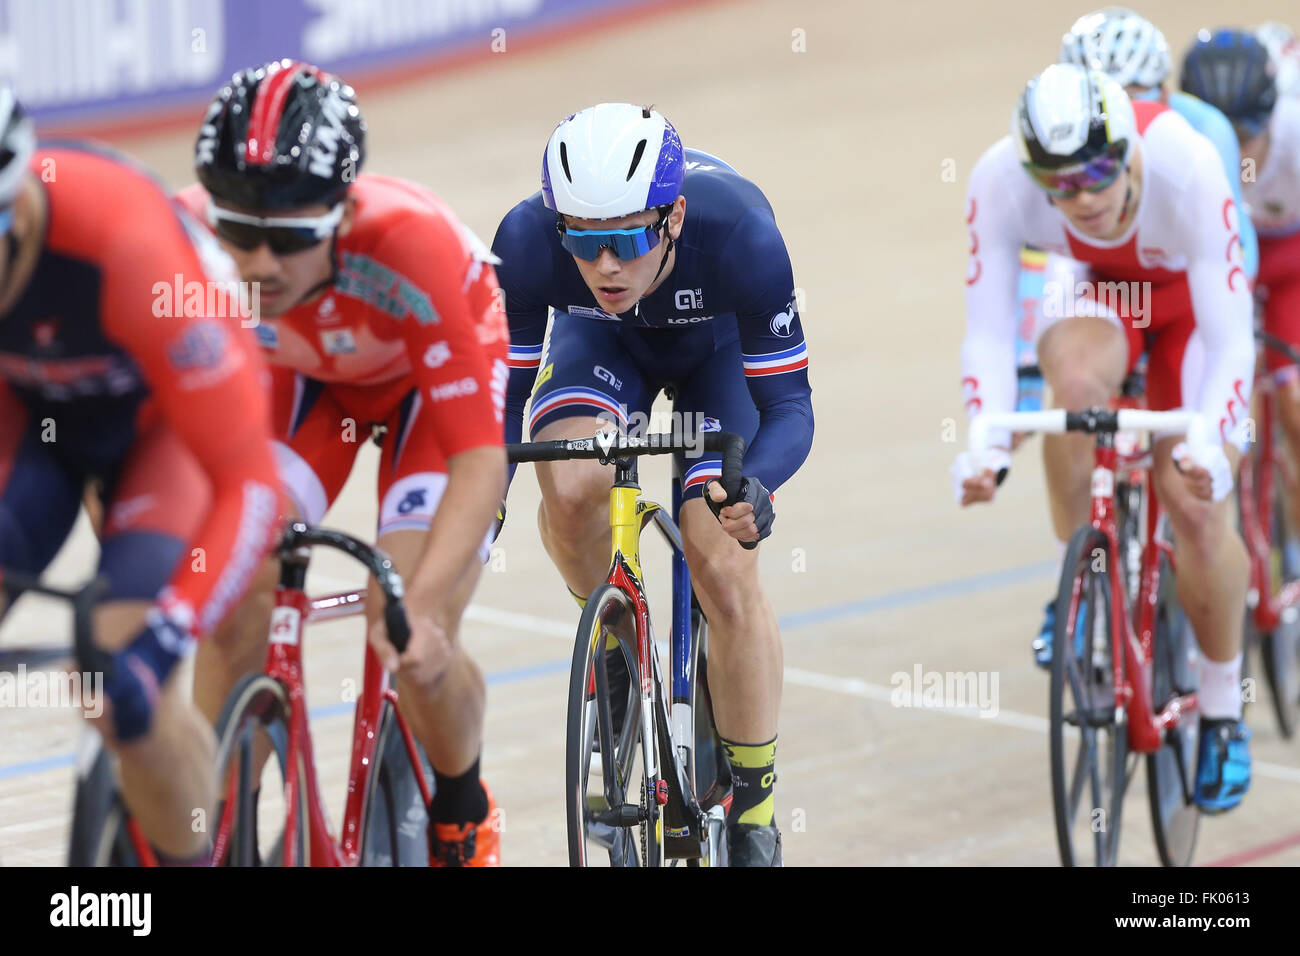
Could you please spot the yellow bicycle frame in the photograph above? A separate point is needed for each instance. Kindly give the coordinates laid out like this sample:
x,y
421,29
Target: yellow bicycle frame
x,y
629,513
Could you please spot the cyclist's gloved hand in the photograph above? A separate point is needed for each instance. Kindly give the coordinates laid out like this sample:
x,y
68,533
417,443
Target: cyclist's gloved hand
x,y
1204,464
137,673
753,509
971,484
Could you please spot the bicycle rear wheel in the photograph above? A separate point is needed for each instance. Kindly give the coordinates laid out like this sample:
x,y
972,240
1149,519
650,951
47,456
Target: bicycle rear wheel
x,y
1171,770
251,830
1089,736
394,819
605,776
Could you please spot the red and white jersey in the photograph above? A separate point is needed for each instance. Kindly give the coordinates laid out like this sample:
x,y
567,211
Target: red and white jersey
x,y
1273,198
412,305
1185,231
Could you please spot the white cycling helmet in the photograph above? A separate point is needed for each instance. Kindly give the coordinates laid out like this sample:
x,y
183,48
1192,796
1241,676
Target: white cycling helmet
x,y
610,161
17,143
1071,117
1280,41
1125,46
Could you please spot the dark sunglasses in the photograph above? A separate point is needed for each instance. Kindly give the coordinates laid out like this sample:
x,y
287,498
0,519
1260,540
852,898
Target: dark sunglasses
x,y
624,243
283,234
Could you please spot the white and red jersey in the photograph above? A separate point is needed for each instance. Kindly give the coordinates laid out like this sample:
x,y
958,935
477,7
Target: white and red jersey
x,y
1273,197
1183,240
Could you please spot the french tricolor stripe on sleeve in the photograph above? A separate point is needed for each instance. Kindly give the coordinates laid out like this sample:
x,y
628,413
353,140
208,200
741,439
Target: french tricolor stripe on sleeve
x,y
524,356
699,473
776,363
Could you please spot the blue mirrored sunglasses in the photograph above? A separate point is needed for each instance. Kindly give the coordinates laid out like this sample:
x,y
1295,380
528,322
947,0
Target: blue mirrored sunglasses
x,y
624,243
6,220
1092,176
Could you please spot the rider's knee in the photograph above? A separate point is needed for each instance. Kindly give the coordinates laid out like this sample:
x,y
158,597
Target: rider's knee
x,y
723,577
577,502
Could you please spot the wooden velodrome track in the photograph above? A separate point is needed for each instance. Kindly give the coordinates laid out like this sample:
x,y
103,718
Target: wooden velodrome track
x,y
872,568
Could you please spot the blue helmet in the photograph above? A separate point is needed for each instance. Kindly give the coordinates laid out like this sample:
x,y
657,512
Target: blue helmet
x,y
1232,71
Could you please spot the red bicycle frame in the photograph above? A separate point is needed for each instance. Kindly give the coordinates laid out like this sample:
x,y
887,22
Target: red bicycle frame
x,y
292,610
1133,632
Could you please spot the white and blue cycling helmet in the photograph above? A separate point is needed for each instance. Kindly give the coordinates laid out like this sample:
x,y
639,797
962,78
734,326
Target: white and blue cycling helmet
x,y
610,161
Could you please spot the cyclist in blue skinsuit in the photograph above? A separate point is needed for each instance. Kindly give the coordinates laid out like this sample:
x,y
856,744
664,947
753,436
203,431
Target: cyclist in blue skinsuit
x,y
666,269
1134,53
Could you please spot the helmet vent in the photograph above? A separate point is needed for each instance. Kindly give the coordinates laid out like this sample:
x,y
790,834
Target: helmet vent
x,y
636,158
564,161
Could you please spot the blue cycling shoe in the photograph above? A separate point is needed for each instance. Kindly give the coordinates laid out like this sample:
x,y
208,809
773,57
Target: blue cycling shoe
x,y
1223,766
1043,642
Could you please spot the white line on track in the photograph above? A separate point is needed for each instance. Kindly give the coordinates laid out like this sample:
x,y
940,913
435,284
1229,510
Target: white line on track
x,y
852,686
1007,718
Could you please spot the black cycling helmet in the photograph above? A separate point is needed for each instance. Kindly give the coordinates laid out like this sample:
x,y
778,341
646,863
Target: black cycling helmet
x,y
279,136
1231,70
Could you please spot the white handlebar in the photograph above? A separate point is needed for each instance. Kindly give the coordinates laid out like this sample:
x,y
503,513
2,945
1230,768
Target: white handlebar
x,y
1053,423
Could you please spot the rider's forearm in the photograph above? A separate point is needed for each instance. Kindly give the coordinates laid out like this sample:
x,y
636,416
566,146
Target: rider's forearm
x,y
782,443
476,481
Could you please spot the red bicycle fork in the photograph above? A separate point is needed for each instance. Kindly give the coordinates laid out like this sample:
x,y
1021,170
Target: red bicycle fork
x,y
284,664
1132,672
623,579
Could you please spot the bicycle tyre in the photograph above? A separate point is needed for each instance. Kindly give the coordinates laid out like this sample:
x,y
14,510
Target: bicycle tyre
x,y
1280,648
1085,674
1171,770
259,704
394,818
99,835
608,610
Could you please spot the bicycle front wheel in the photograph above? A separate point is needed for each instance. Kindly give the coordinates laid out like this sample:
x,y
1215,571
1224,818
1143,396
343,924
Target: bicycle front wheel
x,y
250,830
605,767
394,818
1089,736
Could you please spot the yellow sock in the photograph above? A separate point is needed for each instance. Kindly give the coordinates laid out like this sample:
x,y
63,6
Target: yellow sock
x,y
753,775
